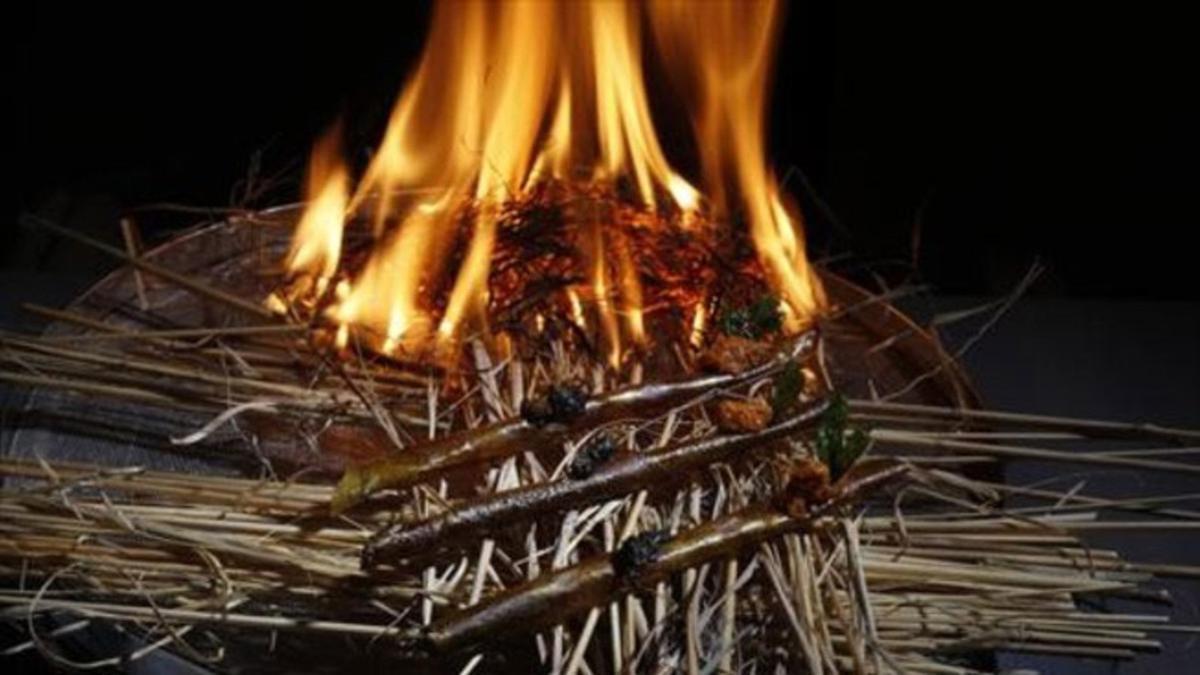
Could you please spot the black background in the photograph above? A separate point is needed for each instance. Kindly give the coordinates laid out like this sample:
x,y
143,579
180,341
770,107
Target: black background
x,y
999,132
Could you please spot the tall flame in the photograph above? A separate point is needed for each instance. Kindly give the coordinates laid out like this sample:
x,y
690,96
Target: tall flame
x,y
317,244
627,138
721,52
509,94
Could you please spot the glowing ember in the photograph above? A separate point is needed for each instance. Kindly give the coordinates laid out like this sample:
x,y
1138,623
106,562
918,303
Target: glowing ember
x,y
526,125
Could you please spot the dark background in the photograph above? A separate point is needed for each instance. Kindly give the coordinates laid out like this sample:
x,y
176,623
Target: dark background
x,y
999,132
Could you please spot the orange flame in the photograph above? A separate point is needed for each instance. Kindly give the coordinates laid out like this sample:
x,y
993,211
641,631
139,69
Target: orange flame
x,y
722,51
507,95
627,138
317,244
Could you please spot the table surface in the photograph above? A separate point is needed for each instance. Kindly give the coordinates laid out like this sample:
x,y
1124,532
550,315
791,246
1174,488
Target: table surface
x,y
1121,360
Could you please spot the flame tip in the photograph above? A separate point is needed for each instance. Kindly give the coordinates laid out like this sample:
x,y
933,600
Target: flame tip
x,y
490,114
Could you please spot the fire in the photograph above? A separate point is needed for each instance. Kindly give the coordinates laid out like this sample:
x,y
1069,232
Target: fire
x,y
317,243
508,96
626,132
721,53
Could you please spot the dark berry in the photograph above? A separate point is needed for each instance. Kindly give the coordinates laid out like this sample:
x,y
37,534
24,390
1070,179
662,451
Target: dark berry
x,y
638,551
598,451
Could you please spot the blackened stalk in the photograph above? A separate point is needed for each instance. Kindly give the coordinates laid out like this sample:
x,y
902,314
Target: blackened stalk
x,y
631,474
503,439
554,598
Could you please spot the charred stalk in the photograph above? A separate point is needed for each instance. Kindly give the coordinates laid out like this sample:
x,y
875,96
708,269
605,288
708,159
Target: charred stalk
x,y
538,433
620,477
554,598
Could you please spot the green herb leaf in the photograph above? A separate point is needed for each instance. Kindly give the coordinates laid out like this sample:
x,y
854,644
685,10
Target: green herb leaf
x,y
836,443
753,321
765,315
787,387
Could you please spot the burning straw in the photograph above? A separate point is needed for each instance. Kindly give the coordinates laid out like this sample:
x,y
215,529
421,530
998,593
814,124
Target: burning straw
x,y
904,572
